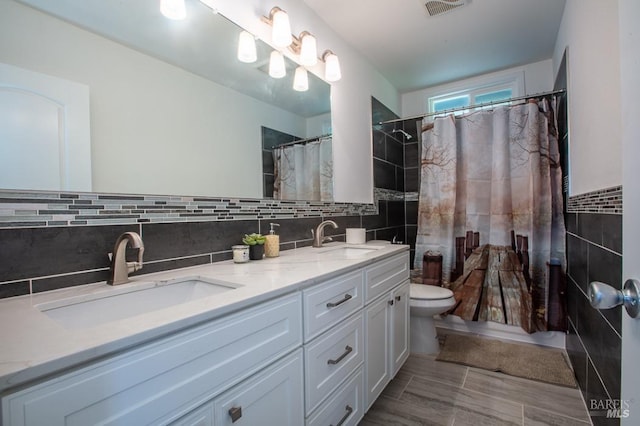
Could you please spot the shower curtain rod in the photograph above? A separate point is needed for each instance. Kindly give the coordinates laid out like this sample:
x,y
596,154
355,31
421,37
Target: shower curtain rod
x,y
304,141
485,104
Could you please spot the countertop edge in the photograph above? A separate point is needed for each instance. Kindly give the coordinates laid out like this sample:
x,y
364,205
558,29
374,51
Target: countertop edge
x,y
18,374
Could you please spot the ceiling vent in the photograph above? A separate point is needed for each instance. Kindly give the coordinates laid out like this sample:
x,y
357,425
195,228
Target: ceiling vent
x,y
438,7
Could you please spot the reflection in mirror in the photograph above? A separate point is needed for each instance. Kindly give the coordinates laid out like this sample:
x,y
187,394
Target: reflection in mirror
x,y
296,168
172,109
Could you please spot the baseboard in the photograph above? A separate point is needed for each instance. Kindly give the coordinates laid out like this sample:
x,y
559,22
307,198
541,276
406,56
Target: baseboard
x,y
554,339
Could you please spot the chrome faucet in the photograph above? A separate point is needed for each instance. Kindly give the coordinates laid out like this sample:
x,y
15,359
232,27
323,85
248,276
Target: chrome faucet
x,y
318,235
120,268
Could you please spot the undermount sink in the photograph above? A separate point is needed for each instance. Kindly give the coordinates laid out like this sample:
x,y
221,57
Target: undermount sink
x,y
129,300
351,251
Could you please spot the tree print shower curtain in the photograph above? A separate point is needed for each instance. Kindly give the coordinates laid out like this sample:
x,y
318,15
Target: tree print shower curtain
x,y
304,171
494,175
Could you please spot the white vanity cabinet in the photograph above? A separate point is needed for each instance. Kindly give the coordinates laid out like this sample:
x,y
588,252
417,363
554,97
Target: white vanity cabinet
x,y
163,380
356,332
316,356
386,323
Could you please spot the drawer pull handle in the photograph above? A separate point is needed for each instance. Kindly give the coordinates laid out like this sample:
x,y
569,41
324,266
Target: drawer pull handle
x,y
346,415
347,351
339,302
235,413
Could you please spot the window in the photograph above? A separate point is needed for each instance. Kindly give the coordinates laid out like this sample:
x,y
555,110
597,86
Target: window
x,y
491,89
467,98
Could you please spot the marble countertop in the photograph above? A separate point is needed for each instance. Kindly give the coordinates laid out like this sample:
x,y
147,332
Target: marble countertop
x,y
34,345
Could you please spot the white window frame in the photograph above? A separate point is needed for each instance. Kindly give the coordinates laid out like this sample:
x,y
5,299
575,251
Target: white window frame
x,y
473,87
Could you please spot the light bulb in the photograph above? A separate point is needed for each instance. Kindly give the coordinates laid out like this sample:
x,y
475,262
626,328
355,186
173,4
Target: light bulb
x,y
281,33
173,9
247,48
308,49
276,65
301,80
332,66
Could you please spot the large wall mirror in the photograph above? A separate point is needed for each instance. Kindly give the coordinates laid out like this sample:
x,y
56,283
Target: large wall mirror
x,y
172,110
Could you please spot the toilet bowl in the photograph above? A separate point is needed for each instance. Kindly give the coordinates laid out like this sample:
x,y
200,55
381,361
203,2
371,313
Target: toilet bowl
x,y
425,302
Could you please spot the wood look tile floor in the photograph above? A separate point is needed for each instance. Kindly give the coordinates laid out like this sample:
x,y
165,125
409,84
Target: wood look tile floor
x,y
430,392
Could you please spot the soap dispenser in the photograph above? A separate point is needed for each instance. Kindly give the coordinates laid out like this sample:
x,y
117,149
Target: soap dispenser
x,y
272,243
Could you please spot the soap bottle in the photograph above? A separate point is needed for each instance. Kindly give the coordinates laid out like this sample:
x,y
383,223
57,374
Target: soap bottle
x,y
272,243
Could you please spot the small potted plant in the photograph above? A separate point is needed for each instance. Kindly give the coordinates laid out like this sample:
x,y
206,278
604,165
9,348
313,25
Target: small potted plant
x,y
256,245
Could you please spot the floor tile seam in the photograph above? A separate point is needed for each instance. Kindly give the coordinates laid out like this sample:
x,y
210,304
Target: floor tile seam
x,y
457,410
503,399
517,379
555,413
404,388
475,392
442,382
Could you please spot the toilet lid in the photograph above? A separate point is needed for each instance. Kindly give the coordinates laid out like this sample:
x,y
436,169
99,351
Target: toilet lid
x,y
429,292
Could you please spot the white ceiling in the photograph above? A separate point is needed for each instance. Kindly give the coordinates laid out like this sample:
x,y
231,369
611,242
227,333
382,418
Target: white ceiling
x,y
414,50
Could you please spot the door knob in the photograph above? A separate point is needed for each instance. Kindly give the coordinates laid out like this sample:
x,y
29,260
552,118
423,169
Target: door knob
x,y
603,296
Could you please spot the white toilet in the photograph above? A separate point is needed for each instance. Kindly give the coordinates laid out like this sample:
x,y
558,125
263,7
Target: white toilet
x,y
427,301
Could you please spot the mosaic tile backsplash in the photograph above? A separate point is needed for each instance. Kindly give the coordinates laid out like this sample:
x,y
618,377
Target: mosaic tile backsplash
x,y
51,240
19,209
607,200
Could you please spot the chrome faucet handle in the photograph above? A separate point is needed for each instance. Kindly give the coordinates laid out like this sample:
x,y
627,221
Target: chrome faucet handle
x,y
318,235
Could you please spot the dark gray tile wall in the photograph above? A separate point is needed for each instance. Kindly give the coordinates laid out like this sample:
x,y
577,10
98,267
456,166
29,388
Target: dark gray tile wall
x,y
594,253
396,168
41,250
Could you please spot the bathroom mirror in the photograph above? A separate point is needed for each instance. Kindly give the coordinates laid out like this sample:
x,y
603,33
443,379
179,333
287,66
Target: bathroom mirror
x,y
172,109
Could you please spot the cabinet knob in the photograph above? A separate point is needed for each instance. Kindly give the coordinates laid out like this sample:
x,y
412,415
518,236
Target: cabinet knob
x,y
398,298
235,413
390,302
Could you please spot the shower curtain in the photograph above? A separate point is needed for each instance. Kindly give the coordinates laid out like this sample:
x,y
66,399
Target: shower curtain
x,y
486,178
304,172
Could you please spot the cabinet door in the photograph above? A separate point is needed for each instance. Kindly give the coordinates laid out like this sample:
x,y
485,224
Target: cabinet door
x,y
399,327
377,343
273,397
159,381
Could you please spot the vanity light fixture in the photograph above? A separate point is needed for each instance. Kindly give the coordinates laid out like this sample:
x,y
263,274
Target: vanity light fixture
x,y
173,9
305,46
276,65
331,66
247,48
308,49
301,80
281,27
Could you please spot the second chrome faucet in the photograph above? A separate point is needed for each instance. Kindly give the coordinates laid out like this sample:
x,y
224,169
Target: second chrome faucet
x,y
318,235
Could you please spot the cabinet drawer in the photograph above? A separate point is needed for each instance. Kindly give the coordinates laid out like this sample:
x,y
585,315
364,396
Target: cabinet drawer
x,y
327,303
385,275
163,379
345,407
331,358
273,397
